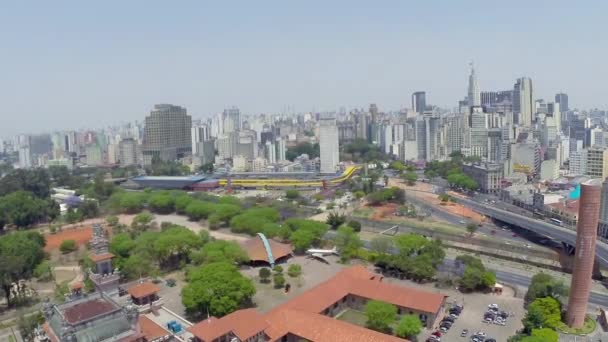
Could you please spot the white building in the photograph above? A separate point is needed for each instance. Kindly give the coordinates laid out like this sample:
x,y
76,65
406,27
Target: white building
x,y
240,164
281,149
578,162
127,152
271,155
258,165
523,99
330,147
549,170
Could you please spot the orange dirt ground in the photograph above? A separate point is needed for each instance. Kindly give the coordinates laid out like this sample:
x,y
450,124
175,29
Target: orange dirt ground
x,y
382,211
425,191
80,235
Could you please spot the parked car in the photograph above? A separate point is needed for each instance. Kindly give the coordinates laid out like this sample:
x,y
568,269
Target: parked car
x,y
464,333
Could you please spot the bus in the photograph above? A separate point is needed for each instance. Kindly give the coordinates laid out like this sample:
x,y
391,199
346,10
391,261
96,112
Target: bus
x,y
555,221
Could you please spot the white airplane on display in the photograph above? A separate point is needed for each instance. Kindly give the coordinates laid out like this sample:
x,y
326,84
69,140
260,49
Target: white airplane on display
x,y
322,252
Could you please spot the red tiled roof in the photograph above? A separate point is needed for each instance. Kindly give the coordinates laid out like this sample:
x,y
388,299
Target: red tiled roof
x,y
358,281
150,329
143,290
243,324
87,310
315,327
301,315
254,248
101,257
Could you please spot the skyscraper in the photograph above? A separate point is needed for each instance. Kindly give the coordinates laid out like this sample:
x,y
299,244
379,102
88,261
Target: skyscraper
x,y
231,119
474,94
584,257
562,99
427,137
419,102
523,103
127,152
328,141
281,149
199,133
167,133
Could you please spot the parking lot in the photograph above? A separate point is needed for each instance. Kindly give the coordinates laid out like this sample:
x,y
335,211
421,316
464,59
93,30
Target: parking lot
x,y
482,327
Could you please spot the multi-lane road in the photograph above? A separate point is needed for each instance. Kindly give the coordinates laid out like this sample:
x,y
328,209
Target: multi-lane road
x,y
534,225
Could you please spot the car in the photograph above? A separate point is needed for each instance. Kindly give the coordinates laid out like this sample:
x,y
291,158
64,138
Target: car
x,y
454,316
448,319
490,340
480,333
493,306
464,333
436,333
443,329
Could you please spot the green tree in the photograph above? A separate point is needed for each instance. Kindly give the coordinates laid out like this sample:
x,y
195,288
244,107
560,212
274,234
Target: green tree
x,y
197,210
162,203
318,197
27,324
43,271
302,239
218,287
20,253
279,280
382,245
122,245
335,220
294,270
542,313
313,151
410,178
23,209
264,274
409,326
545,285
355,225
221,250
359,194
112,221
397,166
182,200
141,222
348,243
545,335
207,168
380,315
68,246
292,194
137,266
176,243
278,269
89,209
471,228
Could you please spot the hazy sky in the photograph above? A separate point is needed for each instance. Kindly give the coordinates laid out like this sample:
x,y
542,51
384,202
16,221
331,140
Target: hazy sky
x,y
73,64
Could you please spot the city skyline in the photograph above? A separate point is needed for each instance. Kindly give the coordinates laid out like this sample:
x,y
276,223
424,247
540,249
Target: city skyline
x,y
270,58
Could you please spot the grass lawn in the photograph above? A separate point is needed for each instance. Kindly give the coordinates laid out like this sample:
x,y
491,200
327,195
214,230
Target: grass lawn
x,y
363,212
353,316
587,328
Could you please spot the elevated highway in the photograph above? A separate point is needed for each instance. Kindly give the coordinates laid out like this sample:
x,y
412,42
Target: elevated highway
x,y
537,226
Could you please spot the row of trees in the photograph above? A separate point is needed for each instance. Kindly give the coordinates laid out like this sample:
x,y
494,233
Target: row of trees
x,y
451,170
392,194
475,276
22,209
361,150
313,151
416,257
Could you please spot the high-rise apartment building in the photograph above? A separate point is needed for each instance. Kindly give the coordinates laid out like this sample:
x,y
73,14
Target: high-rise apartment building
x,y
597,162
281,149
167,133
199,133
271,155
553,111
523,103
479,133
127,152
419,102
328,141
562,99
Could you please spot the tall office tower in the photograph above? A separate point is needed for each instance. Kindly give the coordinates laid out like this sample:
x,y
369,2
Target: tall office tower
x,y
523,103
231,119
167,133
584,257
488,99
562,99
127,152
494,149
550,132
199,133
419,102
427,132
474,95
247,145
217,126
373,111
479,133
271,155
328,141
281,149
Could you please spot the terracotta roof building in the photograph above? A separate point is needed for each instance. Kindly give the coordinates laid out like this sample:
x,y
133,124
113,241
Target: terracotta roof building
x,y
261,250
310,315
